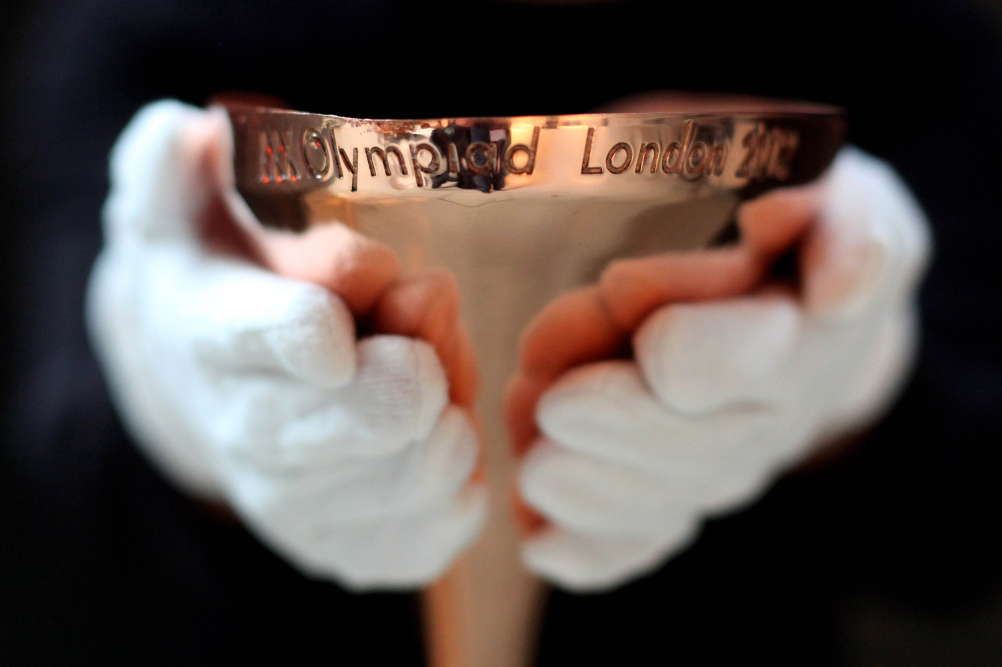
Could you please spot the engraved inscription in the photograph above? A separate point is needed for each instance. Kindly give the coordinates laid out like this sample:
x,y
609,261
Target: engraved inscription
x,y
433,165
351,166
621,147
688,156
482,157
320,157
642,154
520,150
769,155
277,164
383,154
718,155
586,167
328,133
316,153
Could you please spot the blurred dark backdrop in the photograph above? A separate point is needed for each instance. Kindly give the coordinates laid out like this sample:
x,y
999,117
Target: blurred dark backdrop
x,y
888,557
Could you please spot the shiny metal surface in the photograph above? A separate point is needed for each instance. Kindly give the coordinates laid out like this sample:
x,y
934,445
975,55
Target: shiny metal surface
x,y
522,210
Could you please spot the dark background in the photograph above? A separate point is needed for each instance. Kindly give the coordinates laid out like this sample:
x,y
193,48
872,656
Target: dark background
x,y
888,557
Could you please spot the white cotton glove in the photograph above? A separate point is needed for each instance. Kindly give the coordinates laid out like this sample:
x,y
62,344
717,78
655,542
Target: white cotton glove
x,y
346,457
726,395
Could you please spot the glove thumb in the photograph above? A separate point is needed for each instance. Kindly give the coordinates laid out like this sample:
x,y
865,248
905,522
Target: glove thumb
x,y
161,178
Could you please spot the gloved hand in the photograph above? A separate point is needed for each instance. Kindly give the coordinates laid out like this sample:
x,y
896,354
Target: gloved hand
x,y
725,394
345,456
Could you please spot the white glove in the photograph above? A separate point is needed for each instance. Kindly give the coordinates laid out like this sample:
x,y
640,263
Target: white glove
x,y
346,457
726,395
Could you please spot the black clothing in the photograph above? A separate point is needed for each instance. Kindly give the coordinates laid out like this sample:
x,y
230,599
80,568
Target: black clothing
x,y
886,557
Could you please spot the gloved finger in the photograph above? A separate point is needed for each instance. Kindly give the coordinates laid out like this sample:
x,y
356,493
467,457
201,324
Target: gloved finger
x,y
426,475
634,288
592,323
397,395
606,411
243,319
573,329
580,563
896,209
395,398
593,497
772,223
160,177
356,268
426,306
871,242
323,490
881,372
700,357
404,552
